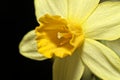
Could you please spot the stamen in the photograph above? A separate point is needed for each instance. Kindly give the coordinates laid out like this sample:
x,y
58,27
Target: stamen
x,y
64,35
59,36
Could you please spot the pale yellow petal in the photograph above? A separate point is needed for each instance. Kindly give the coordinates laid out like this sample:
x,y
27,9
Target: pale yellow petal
x,y
104,23
68,68
114,45
52,7
102,61
28,47
79,10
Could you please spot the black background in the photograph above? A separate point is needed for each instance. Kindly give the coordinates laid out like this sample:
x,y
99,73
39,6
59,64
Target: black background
x,y
19,17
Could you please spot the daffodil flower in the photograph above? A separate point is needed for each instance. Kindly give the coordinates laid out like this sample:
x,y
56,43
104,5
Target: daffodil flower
x,y
71,32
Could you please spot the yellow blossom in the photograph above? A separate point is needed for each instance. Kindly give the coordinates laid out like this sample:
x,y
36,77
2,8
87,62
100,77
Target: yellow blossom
x,y
75,33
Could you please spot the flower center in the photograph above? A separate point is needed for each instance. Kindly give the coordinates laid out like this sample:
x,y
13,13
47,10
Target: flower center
x,y
66,36
55,37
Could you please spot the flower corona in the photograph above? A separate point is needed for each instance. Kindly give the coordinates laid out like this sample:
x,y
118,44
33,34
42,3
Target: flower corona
x,y
55,36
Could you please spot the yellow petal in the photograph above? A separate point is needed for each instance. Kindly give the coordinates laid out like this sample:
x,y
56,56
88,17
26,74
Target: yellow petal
x,y
68,68
102,61
28,47
79,10
104,23
114,45
53,7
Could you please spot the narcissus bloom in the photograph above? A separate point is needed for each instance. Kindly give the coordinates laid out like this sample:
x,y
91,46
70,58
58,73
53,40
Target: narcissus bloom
x,y
76,33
